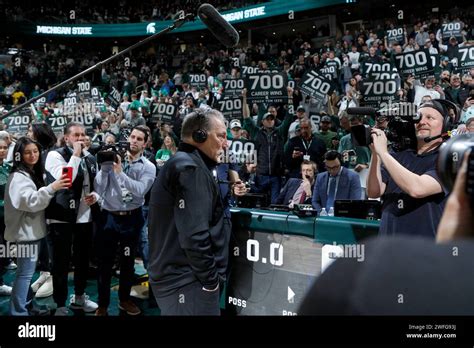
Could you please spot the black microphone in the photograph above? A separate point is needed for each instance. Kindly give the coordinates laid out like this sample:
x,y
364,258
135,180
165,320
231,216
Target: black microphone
x,y
442,135
219,27
362,111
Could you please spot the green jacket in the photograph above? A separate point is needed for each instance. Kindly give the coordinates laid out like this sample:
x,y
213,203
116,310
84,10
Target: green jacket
x,y
5,169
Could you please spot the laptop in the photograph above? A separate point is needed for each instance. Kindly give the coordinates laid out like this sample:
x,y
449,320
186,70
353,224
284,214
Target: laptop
x,y
358,209
252,200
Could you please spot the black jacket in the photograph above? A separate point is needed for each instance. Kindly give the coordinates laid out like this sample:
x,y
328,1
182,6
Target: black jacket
x,y
60,207
186,238
316,149
269,146
461,97
414,267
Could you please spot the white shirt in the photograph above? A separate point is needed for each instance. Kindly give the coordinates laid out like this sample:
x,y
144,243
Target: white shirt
x,y
354,59
421,91
54,165
10,152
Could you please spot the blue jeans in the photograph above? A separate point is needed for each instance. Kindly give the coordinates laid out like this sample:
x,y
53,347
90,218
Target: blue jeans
x,y
143,241
21,293
273,183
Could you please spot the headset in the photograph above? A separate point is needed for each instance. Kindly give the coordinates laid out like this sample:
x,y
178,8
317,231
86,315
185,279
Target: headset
x,y
200,134
449,122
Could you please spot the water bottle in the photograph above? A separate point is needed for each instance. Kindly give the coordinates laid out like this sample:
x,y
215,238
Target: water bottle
x,y
331,211
323,212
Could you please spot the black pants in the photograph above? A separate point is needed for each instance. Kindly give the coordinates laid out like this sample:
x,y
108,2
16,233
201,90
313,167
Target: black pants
x,y
190,299
64,237
45,262
122,231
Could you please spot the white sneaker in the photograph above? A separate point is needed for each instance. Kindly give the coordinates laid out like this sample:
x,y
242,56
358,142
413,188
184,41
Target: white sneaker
x,y
82,302
40,281
62,312
11,266
46,289
5,290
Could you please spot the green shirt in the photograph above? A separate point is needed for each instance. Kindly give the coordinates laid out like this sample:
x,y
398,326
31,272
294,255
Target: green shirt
x,y
5,169
326,137
362,153
163,154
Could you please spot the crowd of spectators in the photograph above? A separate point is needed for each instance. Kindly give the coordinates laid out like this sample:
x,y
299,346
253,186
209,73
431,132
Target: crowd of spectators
x,y
126,11
301,144
162,74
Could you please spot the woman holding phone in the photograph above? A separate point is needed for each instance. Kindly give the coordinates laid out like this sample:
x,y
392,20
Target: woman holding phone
x,y
26,198
43,286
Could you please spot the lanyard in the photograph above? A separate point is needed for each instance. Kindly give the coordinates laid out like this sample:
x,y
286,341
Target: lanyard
x,y
126,167
306,147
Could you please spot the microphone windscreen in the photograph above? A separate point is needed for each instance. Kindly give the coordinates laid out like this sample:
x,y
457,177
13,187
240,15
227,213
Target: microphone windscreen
x,y
361,111
219,27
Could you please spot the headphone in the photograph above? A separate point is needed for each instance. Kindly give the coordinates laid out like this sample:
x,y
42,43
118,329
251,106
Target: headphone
x,y
200,134
449,122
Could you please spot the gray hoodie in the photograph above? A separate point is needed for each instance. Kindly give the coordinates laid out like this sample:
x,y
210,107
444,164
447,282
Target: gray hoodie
x,y
24,208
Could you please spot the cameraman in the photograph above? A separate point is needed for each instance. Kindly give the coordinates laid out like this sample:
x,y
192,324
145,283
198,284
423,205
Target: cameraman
x,y
413,198
123,187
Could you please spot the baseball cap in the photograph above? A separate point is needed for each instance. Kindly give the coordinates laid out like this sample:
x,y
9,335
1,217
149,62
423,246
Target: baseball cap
x,y
435,105
326,119
301,108
235,124
267,115
445,59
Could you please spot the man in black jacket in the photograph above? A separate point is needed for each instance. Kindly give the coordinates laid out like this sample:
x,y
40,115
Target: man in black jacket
x,y
305,147
188,244
269,141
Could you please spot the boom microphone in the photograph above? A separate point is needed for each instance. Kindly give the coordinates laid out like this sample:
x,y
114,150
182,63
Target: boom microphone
x,y
445,136
219,27
362,111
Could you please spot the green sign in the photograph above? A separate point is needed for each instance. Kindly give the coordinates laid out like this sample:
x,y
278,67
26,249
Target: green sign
x,y
259,11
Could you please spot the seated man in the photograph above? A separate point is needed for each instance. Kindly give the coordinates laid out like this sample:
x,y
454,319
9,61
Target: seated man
x,y
337,183
297,191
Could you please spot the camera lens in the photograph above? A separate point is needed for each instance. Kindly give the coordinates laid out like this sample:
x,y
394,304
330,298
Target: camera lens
x,y
450,158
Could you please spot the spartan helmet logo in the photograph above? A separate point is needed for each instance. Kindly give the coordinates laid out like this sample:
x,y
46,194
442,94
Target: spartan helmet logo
x,y
150,28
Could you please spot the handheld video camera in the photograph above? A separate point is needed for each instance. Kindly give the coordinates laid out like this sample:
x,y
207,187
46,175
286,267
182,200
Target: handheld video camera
x,y
109,153
402,118
400,130
450,158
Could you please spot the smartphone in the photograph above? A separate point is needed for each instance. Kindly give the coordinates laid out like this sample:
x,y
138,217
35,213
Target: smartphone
x,y
68,172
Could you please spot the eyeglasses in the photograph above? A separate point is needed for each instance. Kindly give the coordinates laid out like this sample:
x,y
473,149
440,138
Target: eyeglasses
x,y
333,168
